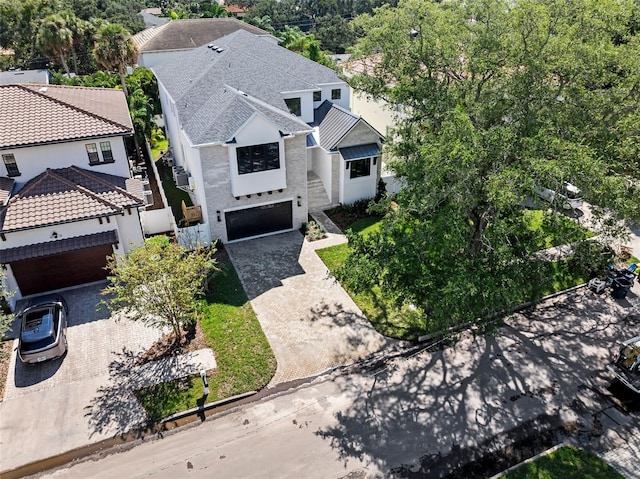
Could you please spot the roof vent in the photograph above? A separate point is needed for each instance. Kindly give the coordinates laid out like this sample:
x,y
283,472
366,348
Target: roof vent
x,y
213,46
219,50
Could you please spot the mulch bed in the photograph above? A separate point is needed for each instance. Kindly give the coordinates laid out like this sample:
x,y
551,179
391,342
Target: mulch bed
x,y
5,356
167,346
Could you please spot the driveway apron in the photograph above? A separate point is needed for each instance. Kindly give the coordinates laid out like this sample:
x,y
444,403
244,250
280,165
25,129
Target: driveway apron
x,y
310,321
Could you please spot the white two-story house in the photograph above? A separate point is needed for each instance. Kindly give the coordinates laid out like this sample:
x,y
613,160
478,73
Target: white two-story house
x,y
66,197
249,122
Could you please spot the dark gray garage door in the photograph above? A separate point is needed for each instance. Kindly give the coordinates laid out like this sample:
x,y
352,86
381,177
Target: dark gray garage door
x,y
62,270
259,220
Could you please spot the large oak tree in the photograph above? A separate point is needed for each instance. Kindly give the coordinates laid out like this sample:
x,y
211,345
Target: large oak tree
x,y
500,97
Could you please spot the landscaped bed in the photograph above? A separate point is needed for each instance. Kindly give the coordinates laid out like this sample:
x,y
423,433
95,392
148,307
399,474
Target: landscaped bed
x,y
243,355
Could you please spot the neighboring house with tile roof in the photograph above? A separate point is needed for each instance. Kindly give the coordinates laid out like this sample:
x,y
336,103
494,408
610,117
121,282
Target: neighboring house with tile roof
x,y
66,195
167,42
250,123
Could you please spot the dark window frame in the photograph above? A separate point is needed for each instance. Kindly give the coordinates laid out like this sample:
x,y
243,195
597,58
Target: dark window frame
x,y
106,151
359,168
294,105
92,153
336,94
257,158
11,164
317,96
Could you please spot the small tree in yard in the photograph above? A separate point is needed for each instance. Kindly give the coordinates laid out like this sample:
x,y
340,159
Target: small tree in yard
x,y
159,283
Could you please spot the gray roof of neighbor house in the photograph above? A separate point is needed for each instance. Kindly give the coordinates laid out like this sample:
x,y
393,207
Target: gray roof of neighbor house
x,y
190,33
219,86
24,76
65,195
334,123
40,114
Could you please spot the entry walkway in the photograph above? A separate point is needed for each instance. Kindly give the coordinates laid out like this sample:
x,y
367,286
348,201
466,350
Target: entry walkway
x,y
310,321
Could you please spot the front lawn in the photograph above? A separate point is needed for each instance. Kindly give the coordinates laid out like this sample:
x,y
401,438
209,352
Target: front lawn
x,y
387,319
565,463
243,355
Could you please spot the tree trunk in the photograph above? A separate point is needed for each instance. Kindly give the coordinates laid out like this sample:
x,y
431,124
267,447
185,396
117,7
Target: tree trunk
x,y
122,81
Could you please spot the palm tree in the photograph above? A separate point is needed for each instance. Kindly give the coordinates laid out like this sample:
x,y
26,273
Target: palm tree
x,y
78,28
114,49
54,39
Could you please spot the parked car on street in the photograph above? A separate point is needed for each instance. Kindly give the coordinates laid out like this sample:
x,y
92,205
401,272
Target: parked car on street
x,y
43,329
626,365
568,198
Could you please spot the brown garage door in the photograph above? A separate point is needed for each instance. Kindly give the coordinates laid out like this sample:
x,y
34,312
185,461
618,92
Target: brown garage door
x,y
62,270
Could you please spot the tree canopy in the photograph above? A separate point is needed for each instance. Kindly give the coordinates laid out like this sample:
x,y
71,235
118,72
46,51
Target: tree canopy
x,y
115,50
159,283
500,98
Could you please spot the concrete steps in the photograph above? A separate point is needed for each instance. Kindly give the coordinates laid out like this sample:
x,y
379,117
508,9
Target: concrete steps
x,y
316,194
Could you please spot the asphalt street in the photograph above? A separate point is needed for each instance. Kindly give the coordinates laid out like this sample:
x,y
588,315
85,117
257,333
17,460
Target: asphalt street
x,y
389,419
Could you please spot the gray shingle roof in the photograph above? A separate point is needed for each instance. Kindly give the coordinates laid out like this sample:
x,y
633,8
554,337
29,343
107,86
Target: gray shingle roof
x,y
216,91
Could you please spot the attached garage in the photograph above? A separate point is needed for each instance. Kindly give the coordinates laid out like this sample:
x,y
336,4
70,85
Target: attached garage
x,y
60,264
259,220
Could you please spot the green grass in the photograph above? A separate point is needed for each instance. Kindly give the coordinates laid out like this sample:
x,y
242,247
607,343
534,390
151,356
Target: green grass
x,y
243,355
174,195
159,149
388,320
566,230
565,463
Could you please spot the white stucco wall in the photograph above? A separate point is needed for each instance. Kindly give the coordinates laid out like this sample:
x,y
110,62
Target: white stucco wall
x,y
34,160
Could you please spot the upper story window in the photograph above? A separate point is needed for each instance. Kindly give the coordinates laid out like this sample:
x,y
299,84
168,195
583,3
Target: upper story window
x,y
317,96
359,168
92,152
336,94
10,164
294,105
254,158
107,154
105,150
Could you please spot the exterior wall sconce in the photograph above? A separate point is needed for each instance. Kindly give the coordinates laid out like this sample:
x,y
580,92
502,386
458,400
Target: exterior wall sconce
x,y
54,235
299,200
219,216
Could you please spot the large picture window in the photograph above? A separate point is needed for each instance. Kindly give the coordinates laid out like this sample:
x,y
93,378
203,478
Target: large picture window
x,y
359,168
254,158
11,165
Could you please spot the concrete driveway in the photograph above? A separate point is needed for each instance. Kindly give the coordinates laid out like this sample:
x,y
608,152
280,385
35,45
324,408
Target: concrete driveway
x,y
80,399
310,321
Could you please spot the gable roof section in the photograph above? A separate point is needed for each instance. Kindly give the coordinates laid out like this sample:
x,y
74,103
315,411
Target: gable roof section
x,y
66,195
333,123
190,33
40,114
206,84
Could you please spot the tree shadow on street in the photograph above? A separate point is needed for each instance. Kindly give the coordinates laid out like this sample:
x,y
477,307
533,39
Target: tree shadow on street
x,y
542,362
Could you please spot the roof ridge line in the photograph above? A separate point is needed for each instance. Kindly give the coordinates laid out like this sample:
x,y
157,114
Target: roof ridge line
x,y
73,107
95,177
81,189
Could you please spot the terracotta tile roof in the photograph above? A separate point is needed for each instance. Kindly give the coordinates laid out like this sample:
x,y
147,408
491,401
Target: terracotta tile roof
x,y
6,185
36,114
66,195
65,245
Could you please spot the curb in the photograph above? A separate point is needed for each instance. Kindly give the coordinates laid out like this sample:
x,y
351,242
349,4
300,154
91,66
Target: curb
x,y
531,459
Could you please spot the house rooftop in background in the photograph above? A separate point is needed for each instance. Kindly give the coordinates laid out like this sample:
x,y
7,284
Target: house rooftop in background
x,y
13,77
41,114
190,33
217,88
